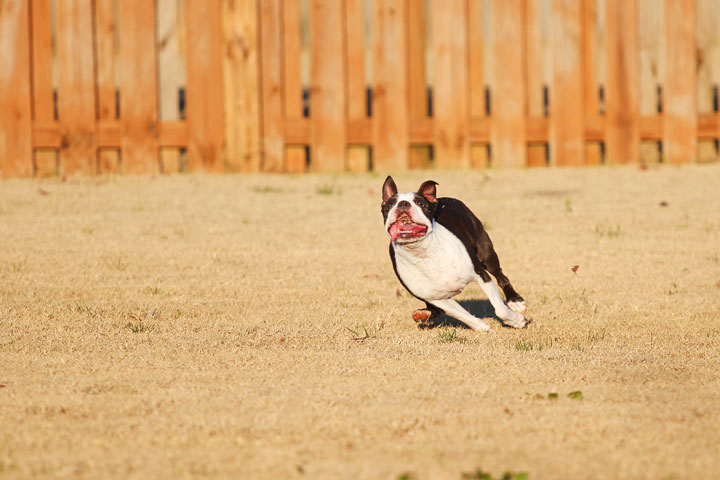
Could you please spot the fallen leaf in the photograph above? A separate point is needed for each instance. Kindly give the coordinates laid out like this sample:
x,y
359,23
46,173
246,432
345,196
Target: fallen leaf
x,y
552,396
577,395
575,269
664,203
643,167
398,293
3,386
371,275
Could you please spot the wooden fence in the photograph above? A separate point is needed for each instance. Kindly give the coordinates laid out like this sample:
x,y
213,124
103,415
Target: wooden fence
x,y
140,86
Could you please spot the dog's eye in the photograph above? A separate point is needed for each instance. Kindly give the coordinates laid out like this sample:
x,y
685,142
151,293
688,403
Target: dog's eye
x,y
418,202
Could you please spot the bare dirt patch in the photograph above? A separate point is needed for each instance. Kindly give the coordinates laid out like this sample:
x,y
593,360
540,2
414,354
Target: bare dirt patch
x,y
252,327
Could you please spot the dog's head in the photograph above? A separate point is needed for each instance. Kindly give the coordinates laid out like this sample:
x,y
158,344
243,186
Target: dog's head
x,y
408,216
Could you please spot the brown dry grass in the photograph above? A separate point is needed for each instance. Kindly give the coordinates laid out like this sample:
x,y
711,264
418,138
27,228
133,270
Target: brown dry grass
x,y
190,326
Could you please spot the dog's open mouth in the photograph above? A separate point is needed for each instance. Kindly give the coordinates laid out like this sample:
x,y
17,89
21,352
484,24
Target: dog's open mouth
x,y
405,229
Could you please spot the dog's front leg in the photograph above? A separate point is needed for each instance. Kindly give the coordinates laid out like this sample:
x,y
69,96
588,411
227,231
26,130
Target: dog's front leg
x,y
507,316
454,309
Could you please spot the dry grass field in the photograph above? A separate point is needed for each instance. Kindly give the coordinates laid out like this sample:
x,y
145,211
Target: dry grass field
x,y
252,327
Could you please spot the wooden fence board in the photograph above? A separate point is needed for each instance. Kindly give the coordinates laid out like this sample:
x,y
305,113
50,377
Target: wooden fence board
x,y
358,158
452,117
509,105
105,29
169,79
622,124
680,101
15,94
242,107
138,80
536,44
76,87
707,60
295,161
204,93
327,99
650,49
590,56
418,155
567,119
45,160
272,110
390,106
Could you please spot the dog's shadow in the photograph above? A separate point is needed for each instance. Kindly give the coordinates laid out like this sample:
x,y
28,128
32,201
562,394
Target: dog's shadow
x,y
477,308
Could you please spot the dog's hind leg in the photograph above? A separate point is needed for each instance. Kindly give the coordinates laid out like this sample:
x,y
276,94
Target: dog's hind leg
x,y
423,317
490,259
509,317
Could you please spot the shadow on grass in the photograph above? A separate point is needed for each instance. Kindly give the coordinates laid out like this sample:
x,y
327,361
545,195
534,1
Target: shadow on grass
x,y
477,308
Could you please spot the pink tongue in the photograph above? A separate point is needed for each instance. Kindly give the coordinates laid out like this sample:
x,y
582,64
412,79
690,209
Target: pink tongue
x,y
394,231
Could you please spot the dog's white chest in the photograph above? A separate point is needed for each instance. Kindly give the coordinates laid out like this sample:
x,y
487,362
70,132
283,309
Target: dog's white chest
x,y
435,268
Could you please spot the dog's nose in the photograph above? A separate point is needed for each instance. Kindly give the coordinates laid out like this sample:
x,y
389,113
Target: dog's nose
x,y
403,205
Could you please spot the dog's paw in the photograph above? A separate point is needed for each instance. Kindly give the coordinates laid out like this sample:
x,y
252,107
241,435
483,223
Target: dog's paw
x,y
423,318
517,306
517,320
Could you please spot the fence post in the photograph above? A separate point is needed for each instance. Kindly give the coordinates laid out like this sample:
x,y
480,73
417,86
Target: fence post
x,y
680,109
327,97
622,129
451,102
138,94
241,70
204,92
509,101
271,92
390,105
15,81
76,87
358,156
567,119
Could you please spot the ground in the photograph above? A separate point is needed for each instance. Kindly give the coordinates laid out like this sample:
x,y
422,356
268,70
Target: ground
x,y
252,327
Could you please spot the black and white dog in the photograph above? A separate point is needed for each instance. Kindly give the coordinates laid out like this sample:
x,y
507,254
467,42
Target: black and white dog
x,y
437,247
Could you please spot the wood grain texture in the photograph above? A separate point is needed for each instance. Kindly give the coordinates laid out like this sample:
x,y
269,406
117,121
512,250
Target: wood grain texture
x,y
509,117
390,106
138,88
204,94
680,108
622,123
451,95
242,85
567,119
271,75
15,95
76,87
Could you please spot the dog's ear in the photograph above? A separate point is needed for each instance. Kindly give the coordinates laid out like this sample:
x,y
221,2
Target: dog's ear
x,y
389,189
428,190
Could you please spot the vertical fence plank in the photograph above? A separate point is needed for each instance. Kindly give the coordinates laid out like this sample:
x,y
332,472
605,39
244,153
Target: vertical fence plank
x,y
476,72
593,154
45,160
15,100
108,159
204,93
327,107
567,119
509,106
419,155
273,136
168,75
138,87
622,122
707,59
390,106
242,108
650,33
536,45
292,41
680,109
452,115
76,86
357,155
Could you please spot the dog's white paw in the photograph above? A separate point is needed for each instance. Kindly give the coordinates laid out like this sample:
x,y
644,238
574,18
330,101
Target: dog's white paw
x,y
480,326
518,307
517,320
